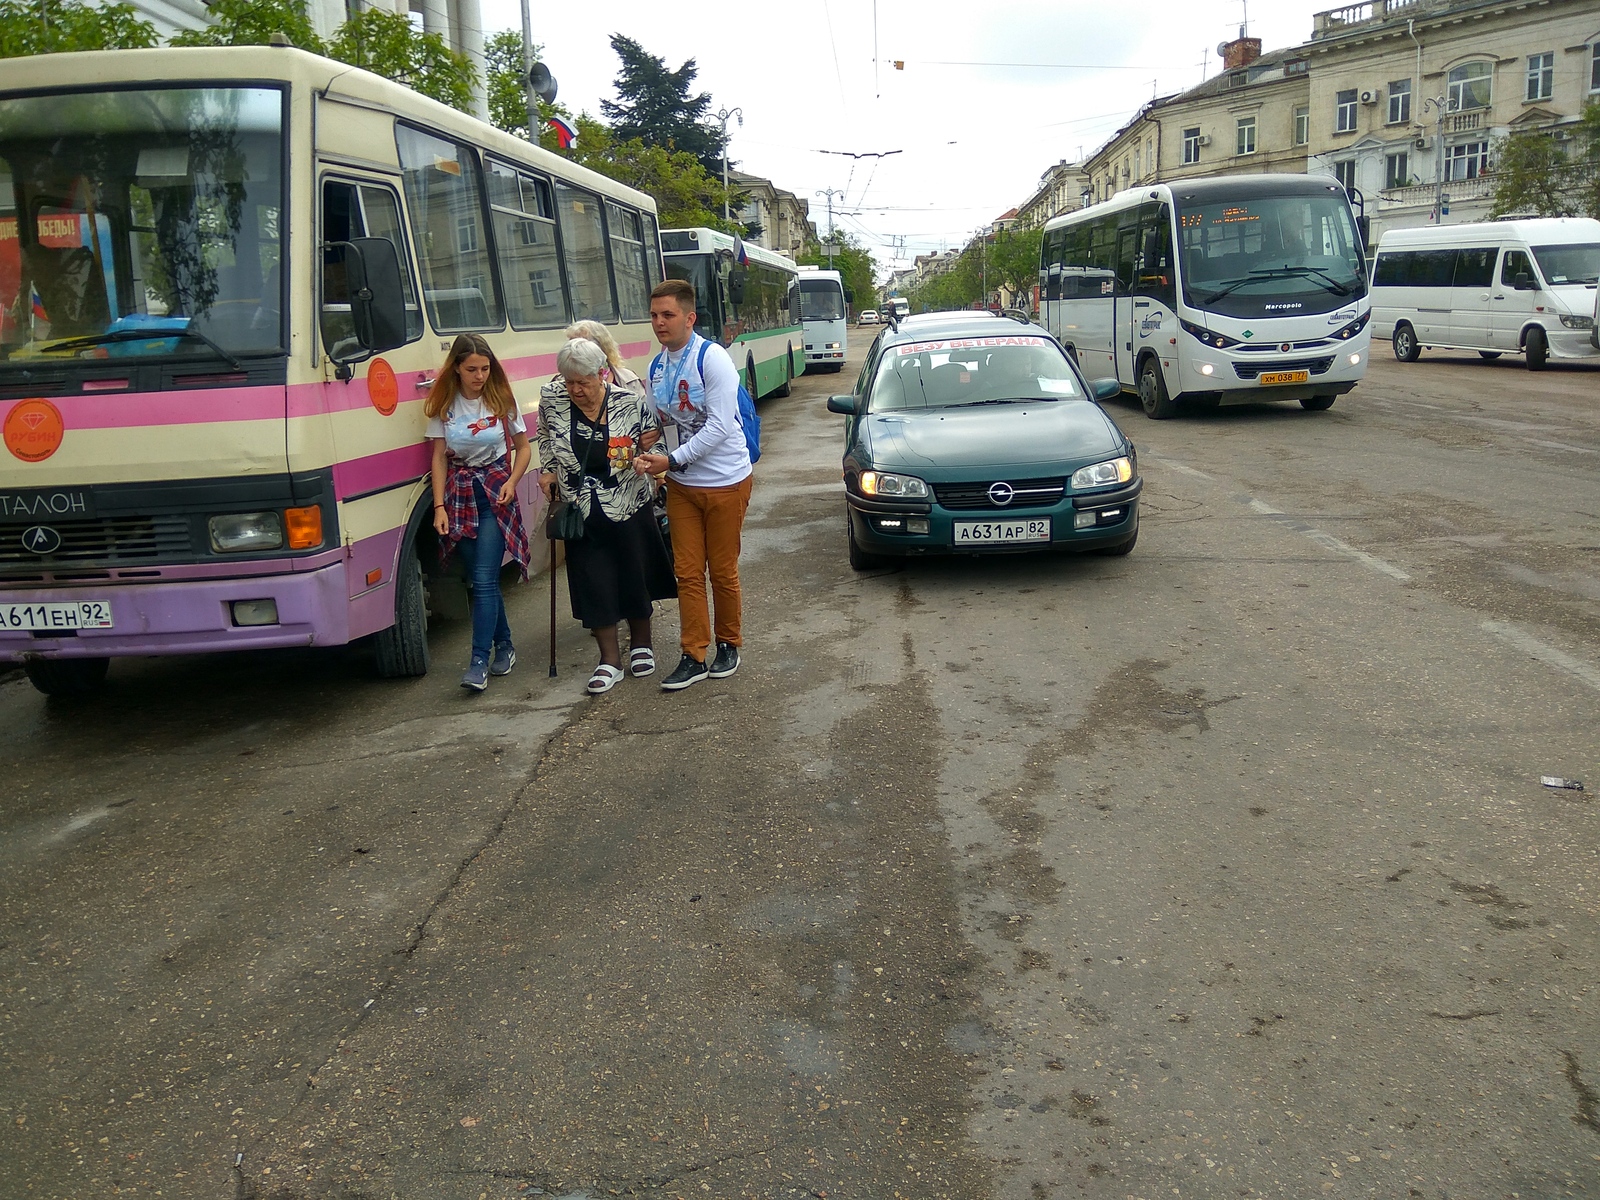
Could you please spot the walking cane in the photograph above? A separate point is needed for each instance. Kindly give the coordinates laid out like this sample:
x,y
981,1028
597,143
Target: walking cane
x,y
553,548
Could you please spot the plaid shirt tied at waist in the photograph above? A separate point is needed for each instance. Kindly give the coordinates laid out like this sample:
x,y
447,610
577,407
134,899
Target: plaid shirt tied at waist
x,y
461,506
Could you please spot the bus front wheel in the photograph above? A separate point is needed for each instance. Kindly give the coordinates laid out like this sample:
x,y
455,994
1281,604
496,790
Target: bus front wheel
x,y
67,677
1153,395
402,649
1317,403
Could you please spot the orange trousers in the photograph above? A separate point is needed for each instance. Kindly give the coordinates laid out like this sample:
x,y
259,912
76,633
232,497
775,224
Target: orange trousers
x,y
706,524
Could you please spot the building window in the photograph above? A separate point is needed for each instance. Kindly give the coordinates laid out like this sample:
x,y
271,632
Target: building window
x,y
1470,86
1467,161
1138,162
1541,75
466,235
1191,145
1397,170
1247,136
1345,173
1302,125
1399,101
1594,68
1345,111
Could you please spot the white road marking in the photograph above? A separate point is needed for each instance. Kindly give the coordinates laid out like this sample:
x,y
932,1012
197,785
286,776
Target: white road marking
x,y
1560,446
1549,655
1371,561
1181,469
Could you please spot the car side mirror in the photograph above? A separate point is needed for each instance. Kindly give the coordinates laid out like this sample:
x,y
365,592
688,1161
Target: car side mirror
x,y
1105,389
845,406
1523,282
377,297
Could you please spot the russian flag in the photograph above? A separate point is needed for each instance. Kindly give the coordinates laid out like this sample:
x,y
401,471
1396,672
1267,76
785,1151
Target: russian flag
x,y
39,313
739,255
566,135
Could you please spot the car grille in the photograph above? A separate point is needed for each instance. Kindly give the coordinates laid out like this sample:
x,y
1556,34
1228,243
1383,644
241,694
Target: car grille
x,y
1027,493
1316,366
111,541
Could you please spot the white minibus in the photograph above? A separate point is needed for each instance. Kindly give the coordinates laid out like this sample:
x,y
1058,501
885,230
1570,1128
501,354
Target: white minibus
x,y
1210,291
823,317
1499,287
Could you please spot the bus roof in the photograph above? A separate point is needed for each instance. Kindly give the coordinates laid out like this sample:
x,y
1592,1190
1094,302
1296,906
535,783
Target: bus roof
x,y
200,65
1201,191
707,241
1541,230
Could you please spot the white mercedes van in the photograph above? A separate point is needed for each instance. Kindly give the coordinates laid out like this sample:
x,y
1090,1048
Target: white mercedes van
x,y
1498,287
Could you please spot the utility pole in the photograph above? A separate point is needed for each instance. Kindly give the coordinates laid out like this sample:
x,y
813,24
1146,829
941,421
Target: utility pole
x,y
527,70
1440,106
722,114
830,193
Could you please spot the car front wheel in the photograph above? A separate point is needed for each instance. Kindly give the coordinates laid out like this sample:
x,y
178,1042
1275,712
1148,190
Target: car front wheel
x,y
1536,349
860,560
1405,343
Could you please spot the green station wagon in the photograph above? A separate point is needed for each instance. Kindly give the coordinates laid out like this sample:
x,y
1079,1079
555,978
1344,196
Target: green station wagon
x,y
971,433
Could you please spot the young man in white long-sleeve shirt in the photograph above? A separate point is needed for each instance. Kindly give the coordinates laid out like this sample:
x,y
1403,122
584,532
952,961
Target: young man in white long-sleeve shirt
x,y
696,388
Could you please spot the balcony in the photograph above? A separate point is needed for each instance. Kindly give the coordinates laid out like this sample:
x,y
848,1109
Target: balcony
x,y
1466,122
1339,20
1421,195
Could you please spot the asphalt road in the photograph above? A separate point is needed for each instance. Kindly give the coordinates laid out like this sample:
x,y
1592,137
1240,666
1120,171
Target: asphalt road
x,y
1220,869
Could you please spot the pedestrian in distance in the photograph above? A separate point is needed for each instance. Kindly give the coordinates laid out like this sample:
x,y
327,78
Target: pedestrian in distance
x,y
695,387
617,371
590,434
480,451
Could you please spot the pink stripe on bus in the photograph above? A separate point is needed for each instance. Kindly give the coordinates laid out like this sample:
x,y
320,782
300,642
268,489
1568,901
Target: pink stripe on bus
x,y
131,410
373,472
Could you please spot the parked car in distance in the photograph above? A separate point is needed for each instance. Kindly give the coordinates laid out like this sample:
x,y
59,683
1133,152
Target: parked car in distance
x,y
1500,287
869,316
974,433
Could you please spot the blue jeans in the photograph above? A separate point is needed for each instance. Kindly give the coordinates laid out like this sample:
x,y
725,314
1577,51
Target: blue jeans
x,y
480,560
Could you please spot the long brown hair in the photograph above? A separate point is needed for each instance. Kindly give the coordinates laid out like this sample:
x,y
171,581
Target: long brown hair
x,y
497,395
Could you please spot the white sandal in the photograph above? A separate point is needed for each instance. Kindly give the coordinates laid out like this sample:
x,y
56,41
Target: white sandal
x,y
642,661
605,678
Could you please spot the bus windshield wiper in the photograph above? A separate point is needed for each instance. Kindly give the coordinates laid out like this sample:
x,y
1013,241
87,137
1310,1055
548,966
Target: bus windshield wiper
x,y
1320,277
146,335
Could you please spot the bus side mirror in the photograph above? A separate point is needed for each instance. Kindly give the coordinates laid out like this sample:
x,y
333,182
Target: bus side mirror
x,y
736,287
1364,228
1523,282
377,296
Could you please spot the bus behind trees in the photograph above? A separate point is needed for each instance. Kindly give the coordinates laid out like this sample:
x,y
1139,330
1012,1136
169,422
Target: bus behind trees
x,y
1241,288
824,317
228,278
749,307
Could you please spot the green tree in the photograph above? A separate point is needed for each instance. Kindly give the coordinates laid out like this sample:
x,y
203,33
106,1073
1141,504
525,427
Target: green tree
x,y
57,26
654,105
508,94
252,23
387,44
1535,173
684,193
1014,262
854,264
959,287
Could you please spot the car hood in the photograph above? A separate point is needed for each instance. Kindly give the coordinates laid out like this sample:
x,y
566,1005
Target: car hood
x,y
993,436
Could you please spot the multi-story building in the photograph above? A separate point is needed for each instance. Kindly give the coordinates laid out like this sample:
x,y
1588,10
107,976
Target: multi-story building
x,y
1063,186
784,220
1402,101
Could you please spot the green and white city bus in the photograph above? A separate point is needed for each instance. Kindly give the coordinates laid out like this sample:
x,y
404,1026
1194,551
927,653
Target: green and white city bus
x,y
748,307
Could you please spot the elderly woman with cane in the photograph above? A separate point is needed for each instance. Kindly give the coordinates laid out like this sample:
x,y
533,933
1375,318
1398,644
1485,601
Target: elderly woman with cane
x,y
589,433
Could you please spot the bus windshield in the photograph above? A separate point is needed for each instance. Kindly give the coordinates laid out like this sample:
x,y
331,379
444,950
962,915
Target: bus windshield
x,y
1272,256
1568,264
821,300
969,371
696,269
141,223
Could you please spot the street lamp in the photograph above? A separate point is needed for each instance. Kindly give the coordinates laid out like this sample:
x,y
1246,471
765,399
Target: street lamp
x,y
1441,106
722,114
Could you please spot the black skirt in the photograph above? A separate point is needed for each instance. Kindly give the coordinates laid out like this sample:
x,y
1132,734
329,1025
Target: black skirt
x,y
618,570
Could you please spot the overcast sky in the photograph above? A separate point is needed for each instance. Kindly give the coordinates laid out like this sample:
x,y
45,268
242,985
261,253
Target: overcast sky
x,y
974,138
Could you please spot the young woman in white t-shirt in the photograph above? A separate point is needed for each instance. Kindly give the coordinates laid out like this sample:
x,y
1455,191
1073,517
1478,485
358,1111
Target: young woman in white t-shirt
x,y
480,451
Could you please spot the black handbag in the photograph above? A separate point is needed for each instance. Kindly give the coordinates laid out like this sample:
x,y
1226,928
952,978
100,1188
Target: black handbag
x,y
564,521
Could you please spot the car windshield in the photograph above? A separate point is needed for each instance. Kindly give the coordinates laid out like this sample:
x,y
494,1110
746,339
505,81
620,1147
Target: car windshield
x,y
1569,264
821,300
1273,255
984,370
141,223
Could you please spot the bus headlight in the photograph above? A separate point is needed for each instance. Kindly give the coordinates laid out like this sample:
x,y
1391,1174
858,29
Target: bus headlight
x,y
1205,368
881,483
1220,340
1118,470
1355,327
238,532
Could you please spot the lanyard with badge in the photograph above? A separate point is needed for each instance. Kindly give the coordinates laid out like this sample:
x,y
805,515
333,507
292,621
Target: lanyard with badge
x,y
677,379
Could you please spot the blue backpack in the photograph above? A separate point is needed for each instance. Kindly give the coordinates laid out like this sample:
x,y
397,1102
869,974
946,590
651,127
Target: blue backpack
x,y
749,420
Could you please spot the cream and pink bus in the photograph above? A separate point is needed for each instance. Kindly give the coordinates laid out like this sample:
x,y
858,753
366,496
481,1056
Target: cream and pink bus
x,y
227,279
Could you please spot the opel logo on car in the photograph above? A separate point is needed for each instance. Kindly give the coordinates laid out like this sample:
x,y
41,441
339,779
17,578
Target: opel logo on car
x,y
1001,494
41,539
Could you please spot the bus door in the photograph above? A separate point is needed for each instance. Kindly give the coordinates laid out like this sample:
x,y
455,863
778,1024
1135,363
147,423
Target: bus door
x,y
1155,297
1125,323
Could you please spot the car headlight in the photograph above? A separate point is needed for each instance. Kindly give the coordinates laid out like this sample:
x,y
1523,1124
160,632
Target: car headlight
x,y
1118,470
1355,327
1220,340
1578,322
237,532
882,483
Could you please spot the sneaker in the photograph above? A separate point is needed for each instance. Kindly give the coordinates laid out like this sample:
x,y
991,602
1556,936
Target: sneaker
x,y
726,662
505,657
689,671
477,675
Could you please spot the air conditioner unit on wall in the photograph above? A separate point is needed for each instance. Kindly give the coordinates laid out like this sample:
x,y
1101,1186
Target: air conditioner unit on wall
x,y
1205,139
1422,143
1369,97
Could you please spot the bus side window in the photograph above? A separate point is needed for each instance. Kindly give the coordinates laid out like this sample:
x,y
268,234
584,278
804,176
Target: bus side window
x,y
444,198
583,246
352,210
523,215
1155,251
652,249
